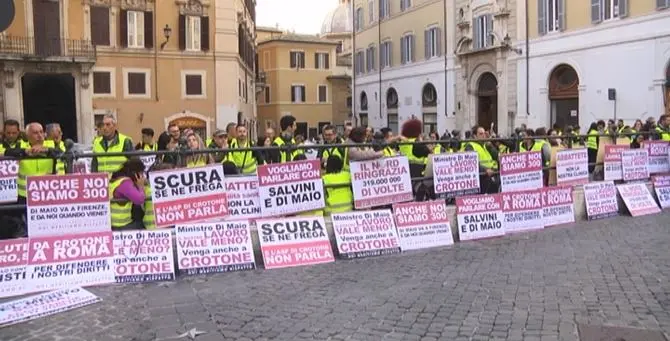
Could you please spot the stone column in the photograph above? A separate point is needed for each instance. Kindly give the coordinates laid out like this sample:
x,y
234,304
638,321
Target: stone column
x,y
86,124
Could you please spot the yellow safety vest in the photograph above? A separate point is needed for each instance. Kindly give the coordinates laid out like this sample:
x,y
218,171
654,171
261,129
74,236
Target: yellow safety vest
x,y
282,153
537,147
389,152
438,149
148,148
485,157
244,160
60,165
408,150
503,149
592,140
149,219
339,199
664,134
33,167
110,164
2,150
122,212
208,141
336,151
196,163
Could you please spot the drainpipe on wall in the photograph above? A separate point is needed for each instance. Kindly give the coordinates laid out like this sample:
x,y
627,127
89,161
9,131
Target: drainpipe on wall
x,y
353,59
379,64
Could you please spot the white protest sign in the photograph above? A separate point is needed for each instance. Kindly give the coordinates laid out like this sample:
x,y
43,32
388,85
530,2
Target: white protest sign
x,y
9,170
48,303
381,182
13,267
638,200
572,167
456,174
288,242
480,216
422,225
289,188
244,201
365,234
612,161
143,256
658,156
522,210
520,171
601,200
634,165
662,189
188,195
558,205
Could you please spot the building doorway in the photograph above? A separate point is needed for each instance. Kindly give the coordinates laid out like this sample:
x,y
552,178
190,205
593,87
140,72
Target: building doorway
x,y
197,125
487,102
50,98
564,96
392,110
429,108
46,19
363,113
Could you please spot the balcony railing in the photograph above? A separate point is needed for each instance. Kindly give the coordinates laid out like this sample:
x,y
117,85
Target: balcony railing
x,y
13,47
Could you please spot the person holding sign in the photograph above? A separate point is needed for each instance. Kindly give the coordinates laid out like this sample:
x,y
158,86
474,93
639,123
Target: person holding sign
x,y
194,143
337,185
126,189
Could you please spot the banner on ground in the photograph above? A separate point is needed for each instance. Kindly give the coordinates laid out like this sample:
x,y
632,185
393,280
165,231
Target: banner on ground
x,y
662,189
601,200
612,161
455,174
244,201
658,156
289,188
422,225
215,247
67,204
523,210
634,165
13,267
638,200
480,216
558,205
188,195
9,171
521,171
143,256
288,242
381,182
572,167
72,260
48,303
365,234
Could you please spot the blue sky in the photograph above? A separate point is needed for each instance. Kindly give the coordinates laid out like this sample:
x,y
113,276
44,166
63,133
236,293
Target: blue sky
x,y
302,16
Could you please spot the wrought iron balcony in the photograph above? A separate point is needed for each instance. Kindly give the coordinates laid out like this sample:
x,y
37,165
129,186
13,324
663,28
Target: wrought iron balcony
x,y
53,49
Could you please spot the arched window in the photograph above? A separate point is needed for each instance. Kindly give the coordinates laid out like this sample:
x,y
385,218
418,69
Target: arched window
x,y
563,83
364,101
429,95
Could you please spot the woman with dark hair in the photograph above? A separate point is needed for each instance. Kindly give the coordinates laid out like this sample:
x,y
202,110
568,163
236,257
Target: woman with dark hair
x,y
126,190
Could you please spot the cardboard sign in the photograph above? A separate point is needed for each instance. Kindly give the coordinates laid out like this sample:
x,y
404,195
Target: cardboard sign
x,y
601,200
612,161
215,247
521,171
289,188
522,210
658,156
455,174
638,200
558,205
13,267
365,234
289,242
48,303
480,216
188,195
244,201
634,164
381,182
572,167
143,256
422,225
9,171
662,189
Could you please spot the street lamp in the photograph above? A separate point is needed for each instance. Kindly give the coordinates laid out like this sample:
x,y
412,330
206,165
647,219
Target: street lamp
x,y
167,31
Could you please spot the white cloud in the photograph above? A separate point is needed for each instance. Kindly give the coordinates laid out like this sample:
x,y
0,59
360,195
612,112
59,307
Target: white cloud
x,y
301,16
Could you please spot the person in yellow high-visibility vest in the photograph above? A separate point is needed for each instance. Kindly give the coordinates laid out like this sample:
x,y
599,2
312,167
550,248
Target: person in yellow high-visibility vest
x,y
330,137
55,134
194,142
11,134
592,141
246,161
286,142
488,160
148,144
530,144
127,189
415,153
337,187
663,128
111,142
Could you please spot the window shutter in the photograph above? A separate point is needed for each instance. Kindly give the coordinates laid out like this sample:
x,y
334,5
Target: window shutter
x,y
302,93
426,44
489,30
316,60
662,4
182,32
542,17
402,50
389,52
204,33
382,55
326,58
561,15
293,90
411,48
476,36
623,8
438,37
123,28
293,58
596,11
149,30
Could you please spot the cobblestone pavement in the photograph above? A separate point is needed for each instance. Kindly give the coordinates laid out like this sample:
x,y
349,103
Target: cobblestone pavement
x,y
534,286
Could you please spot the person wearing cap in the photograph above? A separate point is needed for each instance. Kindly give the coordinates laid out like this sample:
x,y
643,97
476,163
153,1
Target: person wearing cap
x,y
219,141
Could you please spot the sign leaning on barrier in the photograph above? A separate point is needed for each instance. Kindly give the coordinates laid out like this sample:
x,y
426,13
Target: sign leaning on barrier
x,y
289,188
520,171
658,156
662,189
215,247
244,201
634,165
638,200
572,167
480,216
558,205
422,225
612,161
522,210
65,204
188,195
13,267
601,200
381,182
288,242
365,234
455,174
9,170
143,256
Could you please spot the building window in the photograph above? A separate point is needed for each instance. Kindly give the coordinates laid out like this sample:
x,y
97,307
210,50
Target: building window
x,y
323,93
100,26
371,58
384,9
392,121
385,53
193,83
297,59
407,49
363,117
610,9
322,60
551,16
371,11
135,29
358,20
297,93
267,94
137,83
405,4
359,63
429,122
193,34
432,42
662,4
483,32
103,82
